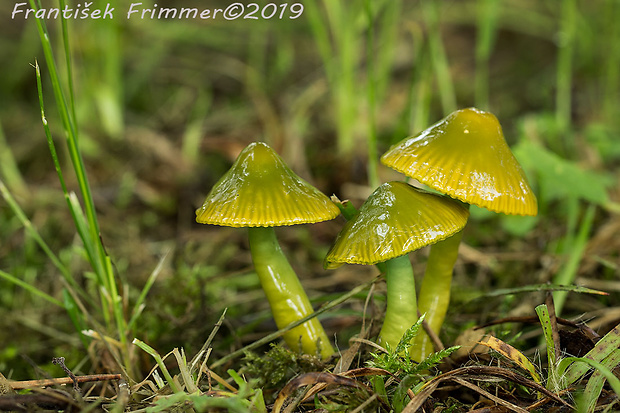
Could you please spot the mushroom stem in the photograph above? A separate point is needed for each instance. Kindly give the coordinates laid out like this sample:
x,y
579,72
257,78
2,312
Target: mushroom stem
x,y
401,312
434,295
285,294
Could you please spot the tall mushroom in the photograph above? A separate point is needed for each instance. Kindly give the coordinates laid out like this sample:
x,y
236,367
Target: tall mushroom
x,y
261,192
395,220
466,157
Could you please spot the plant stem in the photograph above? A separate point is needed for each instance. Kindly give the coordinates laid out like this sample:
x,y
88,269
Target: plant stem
x,y
434,295
564,70
487,20
401,312
373,176
285,294
438,57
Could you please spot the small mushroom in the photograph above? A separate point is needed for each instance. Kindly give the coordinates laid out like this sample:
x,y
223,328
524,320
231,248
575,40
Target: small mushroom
x,y
395,220
261,192
466,157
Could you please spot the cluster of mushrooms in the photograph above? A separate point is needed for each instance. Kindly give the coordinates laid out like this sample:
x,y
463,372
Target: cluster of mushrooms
x,y
464,157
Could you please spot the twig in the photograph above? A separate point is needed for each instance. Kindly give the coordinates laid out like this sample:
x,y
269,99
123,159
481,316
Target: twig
x,y
27,384
489,396
61,362
437,344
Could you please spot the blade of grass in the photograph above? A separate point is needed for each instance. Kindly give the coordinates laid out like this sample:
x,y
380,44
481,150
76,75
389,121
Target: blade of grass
x,y
139,304
421,95
431,11
373,153
69,64
34,234
487,22
72,144
563,100
160,363
613,381
188,380
540,287
603,348
30,288
611,51
74,205
388,24
597,380
8,167
205,347
75,314
545,322
568,273
340,62
88,228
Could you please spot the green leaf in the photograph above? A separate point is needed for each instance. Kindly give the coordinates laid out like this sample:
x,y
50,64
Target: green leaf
x,y
604,347
545,322
595,383
559,178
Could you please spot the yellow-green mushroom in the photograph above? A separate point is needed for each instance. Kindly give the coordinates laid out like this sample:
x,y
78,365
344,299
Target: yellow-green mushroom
x,y
261,192
395,220
466,157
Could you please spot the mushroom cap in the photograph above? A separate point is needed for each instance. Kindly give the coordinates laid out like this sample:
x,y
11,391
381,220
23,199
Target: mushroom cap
x,y
259,190
396,219
466,156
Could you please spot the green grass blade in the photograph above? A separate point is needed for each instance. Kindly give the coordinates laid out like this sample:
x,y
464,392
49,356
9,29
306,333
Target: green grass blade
x,y
487,22
184,369
34,234
569,271
373,153
160,363
545,322
610,82
139,304
72,144
400,399
541,287
69,64
76,316
564,69
30,288
597,380
86,219
8,167
613,381
604,347
431,11
74,205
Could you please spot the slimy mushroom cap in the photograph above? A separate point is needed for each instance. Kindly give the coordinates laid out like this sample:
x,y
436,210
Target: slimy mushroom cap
x,y
466,157
260,190
396,219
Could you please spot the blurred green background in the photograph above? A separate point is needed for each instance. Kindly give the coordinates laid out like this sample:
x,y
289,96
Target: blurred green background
x,y
163,107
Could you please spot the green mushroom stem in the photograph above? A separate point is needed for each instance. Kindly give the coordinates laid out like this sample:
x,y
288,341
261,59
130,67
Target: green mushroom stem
x,y
401,312
285,294
434,295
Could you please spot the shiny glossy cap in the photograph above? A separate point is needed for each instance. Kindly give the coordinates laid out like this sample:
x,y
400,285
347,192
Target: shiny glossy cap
x,y
396,219
466,156
259,190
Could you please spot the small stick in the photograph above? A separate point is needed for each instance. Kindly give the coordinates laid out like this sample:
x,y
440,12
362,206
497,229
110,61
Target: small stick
x,y
61,362
27,384
437,344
